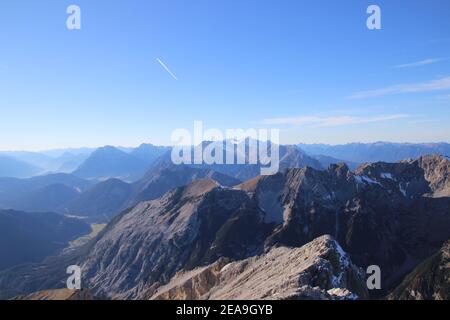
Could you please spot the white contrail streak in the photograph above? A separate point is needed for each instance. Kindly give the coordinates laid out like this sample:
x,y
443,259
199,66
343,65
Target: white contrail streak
x,y
166,68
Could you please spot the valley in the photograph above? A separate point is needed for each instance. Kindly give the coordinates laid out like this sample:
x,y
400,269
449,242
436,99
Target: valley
x,y
191,232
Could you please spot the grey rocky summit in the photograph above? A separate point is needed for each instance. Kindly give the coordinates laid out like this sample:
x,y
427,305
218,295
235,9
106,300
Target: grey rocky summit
x,y
317,270
391,215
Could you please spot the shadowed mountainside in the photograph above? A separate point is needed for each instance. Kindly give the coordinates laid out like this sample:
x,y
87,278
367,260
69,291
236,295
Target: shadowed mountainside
x,y
393,215
30,237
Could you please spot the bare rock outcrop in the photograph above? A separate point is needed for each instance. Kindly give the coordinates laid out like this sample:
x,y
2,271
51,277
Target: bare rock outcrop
x,y
188,227
317,270
58,294
428,281
437,173
393,215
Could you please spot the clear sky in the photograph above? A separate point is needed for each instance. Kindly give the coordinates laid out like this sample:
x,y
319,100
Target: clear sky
x,y
309,68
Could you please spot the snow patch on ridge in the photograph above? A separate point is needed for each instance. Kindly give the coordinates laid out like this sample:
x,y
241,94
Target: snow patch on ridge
x,y
386,175
366,180
403,188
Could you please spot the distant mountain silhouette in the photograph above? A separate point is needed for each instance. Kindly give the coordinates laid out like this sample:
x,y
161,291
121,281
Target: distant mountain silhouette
x,y
48,198
41,193
69,194
10,167
379,151
63,161
326,161
69,162
106,199
102,201
30,237
159,180
110,162
148,153
36,159
289,157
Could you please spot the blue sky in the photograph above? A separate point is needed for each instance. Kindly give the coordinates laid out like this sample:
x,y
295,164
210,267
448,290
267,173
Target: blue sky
x,y
310,68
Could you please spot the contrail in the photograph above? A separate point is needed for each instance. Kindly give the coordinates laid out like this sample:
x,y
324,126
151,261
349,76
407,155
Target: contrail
x,y
167,69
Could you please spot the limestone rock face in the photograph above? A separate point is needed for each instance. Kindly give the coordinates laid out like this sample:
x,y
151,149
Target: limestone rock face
x,y
390,214
393,215
317,270
437,173
58,294
429,281
188,227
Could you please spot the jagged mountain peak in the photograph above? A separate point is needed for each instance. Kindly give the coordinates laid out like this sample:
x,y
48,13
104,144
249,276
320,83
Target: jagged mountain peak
x,y
186,227
437,173
318,270
250,185
340,169
109,162
381,214
427,175
200,187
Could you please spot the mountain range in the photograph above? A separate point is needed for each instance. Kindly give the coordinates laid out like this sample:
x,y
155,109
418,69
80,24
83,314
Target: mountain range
x,y
41,193
189,231
100,201
110,162
131,163
42,162
119,161
321,227
378,151
10,167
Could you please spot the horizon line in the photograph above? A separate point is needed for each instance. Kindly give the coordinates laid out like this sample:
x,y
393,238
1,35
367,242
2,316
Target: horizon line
x,y
67,149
